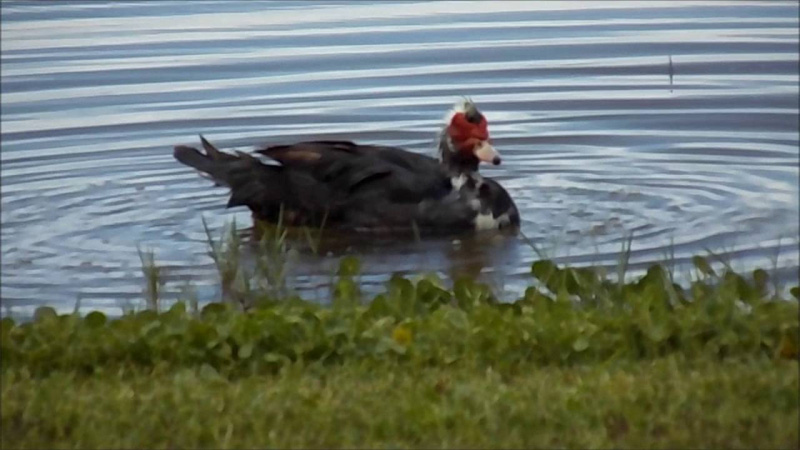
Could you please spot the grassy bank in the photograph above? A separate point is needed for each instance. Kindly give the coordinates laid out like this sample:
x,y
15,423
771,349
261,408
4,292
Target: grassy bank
x,y
666,402
581,360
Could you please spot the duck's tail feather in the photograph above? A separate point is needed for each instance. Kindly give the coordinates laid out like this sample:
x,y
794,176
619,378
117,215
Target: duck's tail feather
x,y
218,166
261,187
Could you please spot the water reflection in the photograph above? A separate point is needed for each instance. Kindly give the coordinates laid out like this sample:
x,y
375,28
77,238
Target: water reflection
x,y
487,256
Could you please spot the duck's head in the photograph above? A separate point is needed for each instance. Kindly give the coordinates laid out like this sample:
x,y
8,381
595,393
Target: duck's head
x,y
464,141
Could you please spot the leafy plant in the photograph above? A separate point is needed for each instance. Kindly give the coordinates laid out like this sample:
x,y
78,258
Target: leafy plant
x,y
570,316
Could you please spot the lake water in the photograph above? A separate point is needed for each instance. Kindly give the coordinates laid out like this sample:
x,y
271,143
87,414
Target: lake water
x,y
598,140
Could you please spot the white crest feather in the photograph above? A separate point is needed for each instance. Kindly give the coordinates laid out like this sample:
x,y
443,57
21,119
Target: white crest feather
x,y
463,105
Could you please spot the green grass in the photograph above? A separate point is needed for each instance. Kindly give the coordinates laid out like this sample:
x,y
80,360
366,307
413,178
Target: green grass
x,y
582,359
664,403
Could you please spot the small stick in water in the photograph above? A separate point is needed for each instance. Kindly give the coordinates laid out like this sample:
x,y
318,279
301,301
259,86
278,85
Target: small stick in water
x,y
671,73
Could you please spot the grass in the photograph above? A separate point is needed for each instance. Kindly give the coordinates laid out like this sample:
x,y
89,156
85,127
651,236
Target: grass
x,y
664,403
582,359
154,277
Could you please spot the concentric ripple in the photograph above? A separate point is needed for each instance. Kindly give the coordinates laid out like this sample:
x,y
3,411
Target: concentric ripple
x,y
601,135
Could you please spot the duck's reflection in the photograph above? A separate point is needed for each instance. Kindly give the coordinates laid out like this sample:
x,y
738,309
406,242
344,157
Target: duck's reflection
x,y
473,256
485,256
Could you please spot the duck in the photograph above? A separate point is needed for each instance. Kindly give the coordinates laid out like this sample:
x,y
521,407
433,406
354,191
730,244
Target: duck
x,y
368,188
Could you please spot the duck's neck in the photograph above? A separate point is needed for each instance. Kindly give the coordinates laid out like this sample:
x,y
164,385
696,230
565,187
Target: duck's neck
x,y
454,161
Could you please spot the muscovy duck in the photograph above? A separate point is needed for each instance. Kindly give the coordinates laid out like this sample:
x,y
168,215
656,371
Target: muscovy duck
x,y
339,184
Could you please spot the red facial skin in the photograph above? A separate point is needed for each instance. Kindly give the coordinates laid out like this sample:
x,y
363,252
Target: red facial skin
x,y
466,135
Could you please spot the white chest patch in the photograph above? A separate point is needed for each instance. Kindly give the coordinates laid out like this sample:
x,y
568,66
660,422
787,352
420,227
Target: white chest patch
x,y
485,222
489,222
462,179
458,181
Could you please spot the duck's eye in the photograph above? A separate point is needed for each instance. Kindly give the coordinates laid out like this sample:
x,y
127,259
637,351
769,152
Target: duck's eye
x,y
473,116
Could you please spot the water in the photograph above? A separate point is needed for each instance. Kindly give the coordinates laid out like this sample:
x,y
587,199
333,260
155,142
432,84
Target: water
x,y
596,140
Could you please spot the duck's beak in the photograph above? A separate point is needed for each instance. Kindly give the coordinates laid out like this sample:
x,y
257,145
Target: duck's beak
x,y
486,153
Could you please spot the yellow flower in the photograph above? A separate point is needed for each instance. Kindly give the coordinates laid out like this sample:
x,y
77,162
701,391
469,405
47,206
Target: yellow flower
x,y
401,335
